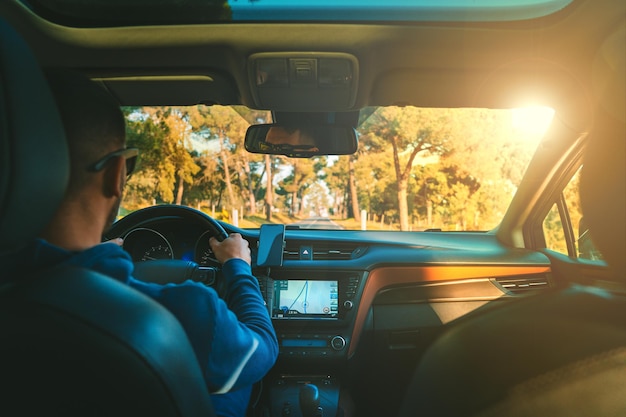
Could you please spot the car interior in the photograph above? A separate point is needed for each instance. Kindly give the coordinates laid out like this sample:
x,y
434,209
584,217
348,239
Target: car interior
x,y
421,323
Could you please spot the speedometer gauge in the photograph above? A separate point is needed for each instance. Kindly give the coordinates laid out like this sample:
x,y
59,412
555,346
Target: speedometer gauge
x,y
157,252
146,245
204,255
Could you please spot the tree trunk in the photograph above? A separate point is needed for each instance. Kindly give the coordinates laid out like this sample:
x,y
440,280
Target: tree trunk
x,y
268,190
300,204
229,185
294,209
429,213
291,203
179,192
354,199
251,199
403,208
463,219
402,180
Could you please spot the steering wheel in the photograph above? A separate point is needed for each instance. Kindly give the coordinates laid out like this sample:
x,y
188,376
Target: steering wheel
x,y
170,270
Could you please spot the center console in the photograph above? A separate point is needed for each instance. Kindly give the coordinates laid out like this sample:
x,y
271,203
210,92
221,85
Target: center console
x,y
313,313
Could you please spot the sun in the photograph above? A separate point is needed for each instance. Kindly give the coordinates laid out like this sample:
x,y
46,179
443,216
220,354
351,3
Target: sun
x,y
533,121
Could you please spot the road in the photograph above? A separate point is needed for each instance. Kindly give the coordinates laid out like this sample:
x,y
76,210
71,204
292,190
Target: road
x,y
316,223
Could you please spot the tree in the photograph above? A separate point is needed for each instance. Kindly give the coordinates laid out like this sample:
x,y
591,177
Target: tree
x,y
488,156
411,131
303,175
163,135
447,168
228,128
249,163
209,185
336,178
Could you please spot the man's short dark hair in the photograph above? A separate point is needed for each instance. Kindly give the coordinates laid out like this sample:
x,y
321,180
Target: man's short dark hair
x,y
94,123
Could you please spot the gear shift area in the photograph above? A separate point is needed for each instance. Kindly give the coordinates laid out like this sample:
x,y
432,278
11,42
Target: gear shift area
x,y
310,401
304,396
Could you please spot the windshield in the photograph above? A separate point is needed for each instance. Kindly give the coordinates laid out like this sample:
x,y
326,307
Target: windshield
x,y
415,169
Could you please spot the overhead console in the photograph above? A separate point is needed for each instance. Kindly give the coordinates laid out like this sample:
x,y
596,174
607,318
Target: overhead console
x,y
322,81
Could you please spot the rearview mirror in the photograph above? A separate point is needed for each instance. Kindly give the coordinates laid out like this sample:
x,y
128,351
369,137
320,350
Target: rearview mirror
x,y
301,141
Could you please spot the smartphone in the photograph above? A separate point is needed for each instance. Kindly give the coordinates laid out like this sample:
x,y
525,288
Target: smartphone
x,y
271,244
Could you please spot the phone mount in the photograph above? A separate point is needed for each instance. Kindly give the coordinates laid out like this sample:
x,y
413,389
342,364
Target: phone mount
x,y
271,245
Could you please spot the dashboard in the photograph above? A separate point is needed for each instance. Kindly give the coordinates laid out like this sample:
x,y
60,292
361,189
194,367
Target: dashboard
x,y
350,308
334,287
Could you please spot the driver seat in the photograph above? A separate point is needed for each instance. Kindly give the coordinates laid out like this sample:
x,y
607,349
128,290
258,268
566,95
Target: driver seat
x,y
74,342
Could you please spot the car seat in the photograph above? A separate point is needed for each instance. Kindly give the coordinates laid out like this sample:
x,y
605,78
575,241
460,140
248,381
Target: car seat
x,y
561,353
73,342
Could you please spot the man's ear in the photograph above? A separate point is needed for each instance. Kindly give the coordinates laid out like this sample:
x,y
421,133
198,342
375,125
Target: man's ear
x,y
114,177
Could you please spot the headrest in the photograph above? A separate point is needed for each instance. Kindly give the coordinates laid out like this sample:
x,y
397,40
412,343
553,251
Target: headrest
x,y
603,181
34,160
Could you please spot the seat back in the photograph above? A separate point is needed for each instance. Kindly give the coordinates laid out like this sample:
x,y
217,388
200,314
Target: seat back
x,y
33,172
74,342
563,352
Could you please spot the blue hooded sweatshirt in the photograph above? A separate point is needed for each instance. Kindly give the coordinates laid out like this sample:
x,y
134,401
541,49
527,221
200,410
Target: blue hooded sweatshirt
x,y
233,338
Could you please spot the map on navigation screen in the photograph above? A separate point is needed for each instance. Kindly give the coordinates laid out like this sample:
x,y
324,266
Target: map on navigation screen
x,y
306,297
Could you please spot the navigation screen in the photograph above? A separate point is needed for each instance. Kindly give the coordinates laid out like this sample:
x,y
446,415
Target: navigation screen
x,y
305,298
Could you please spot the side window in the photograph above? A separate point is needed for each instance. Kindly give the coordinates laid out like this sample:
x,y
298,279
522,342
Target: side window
x,y
554,231
564,227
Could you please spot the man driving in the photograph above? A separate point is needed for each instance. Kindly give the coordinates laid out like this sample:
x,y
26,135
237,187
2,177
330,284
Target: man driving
x,y
234,340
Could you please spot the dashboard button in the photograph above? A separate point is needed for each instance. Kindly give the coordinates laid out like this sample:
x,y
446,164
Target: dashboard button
x,y
338,343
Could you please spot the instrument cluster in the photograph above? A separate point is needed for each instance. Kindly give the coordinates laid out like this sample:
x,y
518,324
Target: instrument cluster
x,y
169,242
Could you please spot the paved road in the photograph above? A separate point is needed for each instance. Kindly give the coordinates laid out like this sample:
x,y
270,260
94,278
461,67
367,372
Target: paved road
x,y
317,223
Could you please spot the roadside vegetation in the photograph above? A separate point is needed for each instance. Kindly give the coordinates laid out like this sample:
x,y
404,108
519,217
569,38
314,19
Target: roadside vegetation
x,y
415,168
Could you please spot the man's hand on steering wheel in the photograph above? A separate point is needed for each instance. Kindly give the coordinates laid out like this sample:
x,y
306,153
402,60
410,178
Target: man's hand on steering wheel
x,y
234,246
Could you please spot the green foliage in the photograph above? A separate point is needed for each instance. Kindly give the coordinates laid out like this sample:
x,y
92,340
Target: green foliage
x,y
296,185
419,168
163,136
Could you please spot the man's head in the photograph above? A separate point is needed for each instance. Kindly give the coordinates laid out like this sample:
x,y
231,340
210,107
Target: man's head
x,y
93,122
95,131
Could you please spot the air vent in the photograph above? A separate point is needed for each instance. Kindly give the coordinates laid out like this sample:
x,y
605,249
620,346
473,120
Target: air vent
x,y
302,250
333,252
524,284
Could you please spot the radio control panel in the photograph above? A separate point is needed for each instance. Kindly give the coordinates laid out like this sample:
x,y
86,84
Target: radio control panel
x,y
311,346
313,313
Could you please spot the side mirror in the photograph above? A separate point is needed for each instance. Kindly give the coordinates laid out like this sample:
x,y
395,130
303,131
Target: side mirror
x,y
301,141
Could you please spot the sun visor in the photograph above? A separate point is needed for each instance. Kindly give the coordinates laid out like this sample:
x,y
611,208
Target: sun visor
x,y
518,84
172,90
